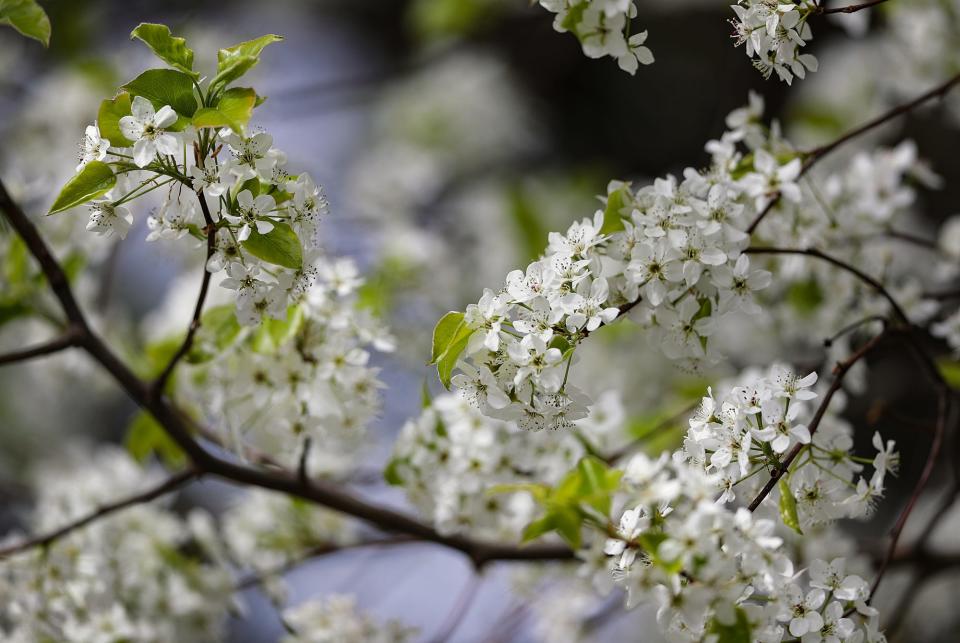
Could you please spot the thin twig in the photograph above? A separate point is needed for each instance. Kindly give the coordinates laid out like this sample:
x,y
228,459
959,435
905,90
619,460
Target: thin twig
x,y
853,8
943,408
812,156
839,371
172,420
862,276
211,231
68,339
45,540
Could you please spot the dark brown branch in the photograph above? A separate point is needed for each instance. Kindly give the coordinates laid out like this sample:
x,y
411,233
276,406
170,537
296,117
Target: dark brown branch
x,y
211,231
179,429
853,8
812,156
68,339
839,371
862,276
943,408
171,484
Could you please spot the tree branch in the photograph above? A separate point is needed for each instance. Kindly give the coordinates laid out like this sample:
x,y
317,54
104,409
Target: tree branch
x,y
68,339
173,422
45,540
839,371
862,276
817,153
211,231
853,8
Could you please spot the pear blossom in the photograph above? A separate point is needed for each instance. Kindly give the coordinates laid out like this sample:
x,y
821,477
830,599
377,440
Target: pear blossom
x,y
93,147
147,129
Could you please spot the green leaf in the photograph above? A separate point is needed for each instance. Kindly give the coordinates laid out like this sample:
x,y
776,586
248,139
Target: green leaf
x,y
391,472
108,119
165,87
274,333
574,17
530,229
450,338
618,197
805,296
540,492
146,437
950,371
280,246
449,359
233,62
444,333
27,17
788,507
740,631
94,180
168,48
218,329
233,110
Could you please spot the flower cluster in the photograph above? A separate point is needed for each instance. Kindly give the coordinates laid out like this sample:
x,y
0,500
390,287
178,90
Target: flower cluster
x,y
451,455
335,618
711,570
773,33
216,179
671,251
129,576
739,435
603,28
275,387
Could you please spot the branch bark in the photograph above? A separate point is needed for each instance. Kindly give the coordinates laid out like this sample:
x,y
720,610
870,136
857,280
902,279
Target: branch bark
x,y
68,339
173,422
167,486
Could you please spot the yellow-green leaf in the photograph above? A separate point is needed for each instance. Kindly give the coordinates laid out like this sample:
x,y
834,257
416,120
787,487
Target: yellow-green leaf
x,y
146,437
233,62
108,119
233,110
788,507
27,17
280,246
94,180
168,48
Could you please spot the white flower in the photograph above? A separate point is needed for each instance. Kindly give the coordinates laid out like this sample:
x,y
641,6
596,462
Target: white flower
x,y
93,147
480,386
252,212
146,128
803,611
109,219
251,156
208,178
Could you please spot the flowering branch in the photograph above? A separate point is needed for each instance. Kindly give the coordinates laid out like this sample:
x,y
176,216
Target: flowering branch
x,y
817,153
211,233
839,371
171,420
171,484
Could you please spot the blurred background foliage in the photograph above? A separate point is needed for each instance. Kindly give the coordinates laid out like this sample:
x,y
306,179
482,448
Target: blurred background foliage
x,y
451,136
